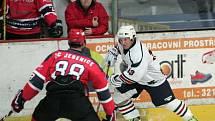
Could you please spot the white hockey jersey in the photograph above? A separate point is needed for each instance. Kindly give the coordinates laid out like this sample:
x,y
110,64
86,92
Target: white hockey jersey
x,y
142,68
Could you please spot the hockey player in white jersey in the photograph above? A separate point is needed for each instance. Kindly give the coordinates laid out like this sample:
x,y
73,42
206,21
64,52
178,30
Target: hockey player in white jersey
x,y
142,73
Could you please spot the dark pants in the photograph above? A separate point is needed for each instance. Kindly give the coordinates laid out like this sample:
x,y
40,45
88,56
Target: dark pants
x,y
74,107
160,95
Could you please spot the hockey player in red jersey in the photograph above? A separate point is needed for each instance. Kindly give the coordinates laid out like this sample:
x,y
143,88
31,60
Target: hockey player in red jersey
x,y
24,17
67,73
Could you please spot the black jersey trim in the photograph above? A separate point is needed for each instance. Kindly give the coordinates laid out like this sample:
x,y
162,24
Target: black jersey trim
x,y
137,64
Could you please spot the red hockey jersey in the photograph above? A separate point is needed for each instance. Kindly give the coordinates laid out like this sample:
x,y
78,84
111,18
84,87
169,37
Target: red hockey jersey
x,y
23,16
79,67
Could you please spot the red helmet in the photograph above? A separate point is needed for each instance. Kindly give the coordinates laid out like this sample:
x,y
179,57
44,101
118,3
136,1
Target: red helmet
x,y
76,36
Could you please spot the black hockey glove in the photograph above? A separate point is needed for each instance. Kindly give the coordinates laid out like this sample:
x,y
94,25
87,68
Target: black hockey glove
x,y
18,102
110,117
56,29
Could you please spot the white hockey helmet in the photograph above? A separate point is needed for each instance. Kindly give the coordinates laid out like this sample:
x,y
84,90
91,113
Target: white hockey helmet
x,y
126,32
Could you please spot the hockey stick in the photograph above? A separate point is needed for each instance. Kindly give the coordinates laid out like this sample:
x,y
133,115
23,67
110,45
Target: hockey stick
x,y
108,67
7,115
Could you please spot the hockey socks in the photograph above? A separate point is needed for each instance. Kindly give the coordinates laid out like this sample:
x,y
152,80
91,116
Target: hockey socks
x,y
180,109
128,110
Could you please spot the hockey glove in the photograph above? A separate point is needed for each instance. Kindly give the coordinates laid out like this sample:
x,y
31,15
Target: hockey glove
x,y
111,56
111,117
18,102
56,29
115,80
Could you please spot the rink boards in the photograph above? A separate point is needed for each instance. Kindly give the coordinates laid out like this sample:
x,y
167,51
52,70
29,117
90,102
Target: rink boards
x,y
180,54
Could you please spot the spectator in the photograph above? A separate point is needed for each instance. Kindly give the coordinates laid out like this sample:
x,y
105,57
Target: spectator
x,y
66,73
205,9
24,17
1,18
88,15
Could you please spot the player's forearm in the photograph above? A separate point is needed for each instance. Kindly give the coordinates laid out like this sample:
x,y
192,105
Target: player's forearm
x,y
107,102
28,92
105,99
32,87
109,107
47,10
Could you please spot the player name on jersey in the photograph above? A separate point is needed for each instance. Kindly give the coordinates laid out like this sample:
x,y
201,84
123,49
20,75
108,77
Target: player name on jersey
x,y
79,58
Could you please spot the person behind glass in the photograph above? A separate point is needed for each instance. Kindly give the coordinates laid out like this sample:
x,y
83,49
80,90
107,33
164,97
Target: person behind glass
x,y
23,19
142,73
205,9
88,15
1,18
66,73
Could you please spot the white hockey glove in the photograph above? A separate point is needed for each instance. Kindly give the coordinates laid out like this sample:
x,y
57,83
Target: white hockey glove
x,y
115,80
111,56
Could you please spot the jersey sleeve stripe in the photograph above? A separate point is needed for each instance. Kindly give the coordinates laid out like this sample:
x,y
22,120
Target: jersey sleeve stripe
x,y
104,95
50,13
33,87
46,6
125,79
39,75
47,9
37,82
106,101
102,89
28,19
